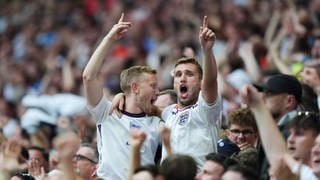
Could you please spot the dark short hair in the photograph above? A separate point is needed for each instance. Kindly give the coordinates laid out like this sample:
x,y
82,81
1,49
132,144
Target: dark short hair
x,y
305,120
221,159
185,60
43,152
178,167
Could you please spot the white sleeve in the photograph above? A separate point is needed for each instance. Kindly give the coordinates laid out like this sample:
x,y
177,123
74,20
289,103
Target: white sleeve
x,y
213,111
306,173
101,110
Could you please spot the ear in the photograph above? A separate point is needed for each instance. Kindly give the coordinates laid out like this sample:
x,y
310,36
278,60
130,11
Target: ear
x,y
134,87
291,102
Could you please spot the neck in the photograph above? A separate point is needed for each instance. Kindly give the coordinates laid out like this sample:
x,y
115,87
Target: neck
x,y
307,161
131,105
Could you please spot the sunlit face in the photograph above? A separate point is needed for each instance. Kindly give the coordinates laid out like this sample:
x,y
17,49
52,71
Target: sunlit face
x,y
315,157
210,171
242,134
147,90
299,144
187,84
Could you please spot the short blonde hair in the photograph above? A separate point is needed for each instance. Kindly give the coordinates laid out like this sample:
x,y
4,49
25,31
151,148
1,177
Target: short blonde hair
x,y
133,73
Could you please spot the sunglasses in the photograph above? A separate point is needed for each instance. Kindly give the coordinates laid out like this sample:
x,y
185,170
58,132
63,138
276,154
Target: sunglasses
x,y
79,157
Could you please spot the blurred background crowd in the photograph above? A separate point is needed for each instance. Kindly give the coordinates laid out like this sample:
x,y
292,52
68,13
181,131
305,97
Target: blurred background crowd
x,y
45,45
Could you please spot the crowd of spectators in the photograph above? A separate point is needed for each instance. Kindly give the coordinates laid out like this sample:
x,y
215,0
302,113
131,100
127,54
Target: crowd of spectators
x,y
46,44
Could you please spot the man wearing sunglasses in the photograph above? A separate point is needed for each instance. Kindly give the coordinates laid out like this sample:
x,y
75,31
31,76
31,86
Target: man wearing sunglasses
x,y
86,160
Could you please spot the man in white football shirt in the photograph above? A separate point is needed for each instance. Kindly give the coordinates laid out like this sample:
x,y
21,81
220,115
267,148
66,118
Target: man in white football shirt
x,y
140,88
195,119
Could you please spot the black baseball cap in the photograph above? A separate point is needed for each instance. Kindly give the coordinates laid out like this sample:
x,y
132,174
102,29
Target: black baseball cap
x,y
282,83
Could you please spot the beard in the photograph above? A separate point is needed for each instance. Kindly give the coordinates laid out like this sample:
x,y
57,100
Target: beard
x,y
188,101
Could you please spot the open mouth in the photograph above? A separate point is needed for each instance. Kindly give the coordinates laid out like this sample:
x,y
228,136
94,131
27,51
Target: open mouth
x,y
291,149
183,89
153,100
316,161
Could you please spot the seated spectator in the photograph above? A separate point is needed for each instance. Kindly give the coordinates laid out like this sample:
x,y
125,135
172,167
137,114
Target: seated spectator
x,y
242,131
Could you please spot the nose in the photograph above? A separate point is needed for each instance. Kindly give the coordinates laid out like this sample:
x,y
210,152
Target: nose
x,y
241,135
316,149
157,91
291,139
183,78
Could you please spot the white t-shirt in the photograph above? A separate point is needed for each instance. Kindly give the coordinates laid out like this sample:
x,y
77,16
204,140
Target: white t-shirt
x,y
113,140
194,129
306,173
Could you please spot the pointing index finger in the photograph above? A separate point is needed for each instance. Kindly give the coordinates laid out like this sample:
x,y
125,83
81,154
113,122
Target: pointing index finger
x,y
121,18
205,22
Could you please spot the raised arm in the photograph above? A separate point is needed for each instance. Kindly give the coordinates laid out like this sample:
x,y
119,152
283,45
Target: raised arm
x,y
272,141
93,86
209,85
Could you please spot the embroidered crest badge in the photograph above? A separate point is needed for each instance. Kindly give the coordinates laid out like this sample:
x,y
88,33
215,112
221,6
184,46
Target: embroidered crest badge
x,y
183,118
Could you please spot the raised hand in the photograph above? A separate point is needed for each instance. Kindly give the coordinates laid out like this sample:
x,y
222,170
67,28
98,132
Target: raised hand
x,y
117,105
250,96
165,137
118,30
137,137
10,154
206,36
